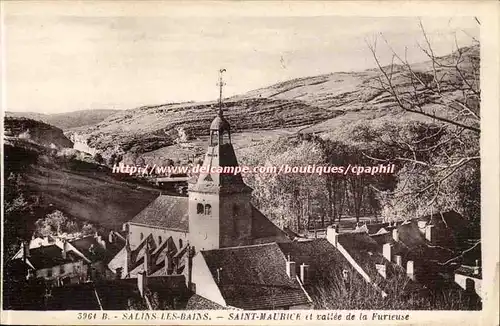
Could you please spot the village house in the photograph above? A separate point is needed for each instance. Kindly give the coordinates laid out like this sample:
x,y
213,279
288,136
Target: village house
x,y
469,278
435,248
62,260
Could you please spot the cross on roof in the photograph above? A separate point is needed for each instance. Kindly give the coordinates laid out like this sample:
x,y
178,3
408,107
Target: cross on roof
x,y
221,84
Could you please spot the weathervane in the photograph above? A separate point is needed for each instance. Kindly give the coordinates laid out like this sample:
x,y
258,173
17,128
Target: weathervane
x,y
220,84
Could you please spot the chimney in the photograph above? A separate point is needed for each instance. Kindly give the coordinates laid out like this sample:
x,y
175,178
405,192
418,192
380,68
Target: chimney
x,y
421,226
101,242
64,249
429,233
395,234
381,269
410,270
142,280
387,251
111,237
399,260
304,273
476,268
189,266
26,250
125,227
128,258
332,234
291,269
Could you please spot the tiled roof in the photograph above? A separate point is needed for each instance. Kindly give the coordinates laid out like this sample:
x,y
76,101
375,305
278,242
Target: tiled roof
x,y
167,283
374,228
118,261
324,260
170,212
197,302
115,247
469,271
367,254
413,245
262,227
291,234
382,238
410,235
73,297
90,248
451,218
157,255
50,256
254,277
472,254
219,156
451,229
115,294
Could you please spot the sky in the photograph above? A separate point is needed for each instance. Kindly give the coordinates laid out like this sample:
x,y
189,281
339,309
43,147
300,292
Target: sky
x,y
60,59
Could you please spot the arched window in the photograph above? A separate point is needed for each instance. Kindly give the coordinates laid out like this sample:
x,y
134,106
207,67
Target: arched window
x,y
214,138
199,208
159,239
142,235
208,209
180,243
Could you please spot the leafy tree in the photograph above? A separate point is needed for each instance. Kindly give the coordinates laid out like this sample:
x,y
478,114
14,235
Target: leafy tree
x,y
18,213
57,220
88,229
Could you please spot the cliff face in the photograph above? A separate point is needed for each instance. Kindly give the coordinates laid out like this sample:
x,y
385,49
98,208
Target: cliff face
x,y
36,131
80,143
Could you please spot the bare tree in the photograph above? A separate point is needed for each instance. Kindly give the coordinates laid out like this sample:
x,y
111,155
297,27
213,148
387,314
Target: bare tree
x,y
447,92
450,92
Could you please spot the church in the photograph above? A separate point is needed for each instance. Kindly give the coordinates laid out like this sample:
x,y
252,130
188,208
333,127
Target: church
x,y
218,211
211,239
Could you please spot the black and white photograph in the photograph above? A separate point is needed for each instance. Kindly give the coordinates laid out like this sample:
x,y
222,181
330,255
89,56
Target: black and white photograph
x,y
161,162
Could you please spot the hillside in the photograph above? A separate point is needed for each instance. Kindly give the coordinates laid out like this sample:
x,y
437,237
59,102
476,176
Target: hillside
x,y
42,160
317,104
68,119
81,189
36,131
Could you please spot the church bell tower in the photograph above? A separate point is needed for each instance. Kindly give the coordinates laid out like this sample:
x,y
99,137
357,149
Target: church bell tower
x,y
220,214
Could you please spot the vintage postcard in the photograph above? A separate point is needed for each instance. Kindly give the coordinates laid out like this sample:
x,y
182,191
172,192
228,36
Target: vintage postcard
x,y
250,162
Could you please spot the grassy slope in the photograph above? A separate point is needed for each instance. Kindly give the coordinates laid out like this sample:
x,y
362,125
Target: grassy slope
x,y
316,104
80,189
89,196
